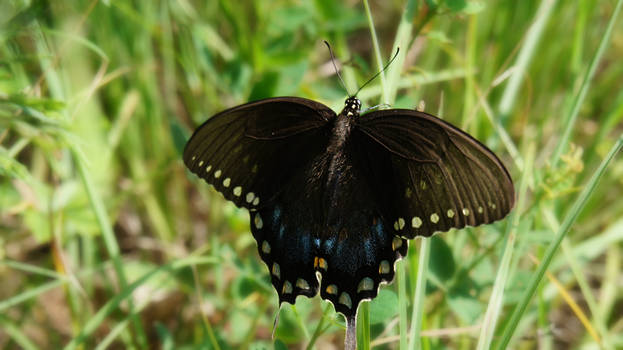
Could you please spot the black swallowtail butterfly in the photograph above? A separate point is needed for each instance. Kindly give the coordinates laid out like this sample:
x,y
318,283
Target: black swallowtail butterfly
x,y
333,199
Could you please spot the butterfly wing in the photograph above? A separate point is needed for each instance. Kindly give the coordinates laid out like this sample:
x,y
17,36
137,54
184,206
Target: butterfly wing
x,y
326,221
431,175
249,151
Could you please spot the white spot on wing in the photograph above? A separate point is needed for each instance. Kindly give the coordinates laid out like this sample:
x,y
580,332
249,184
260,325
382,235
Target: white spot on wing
x,y
416,222
450,213
434,218
302,284
287,288
250,197
276,270
384,267
396,243
226,182
237,191
217,174
266,247
465,211
366,284
345,300
256,201
401,223
257,220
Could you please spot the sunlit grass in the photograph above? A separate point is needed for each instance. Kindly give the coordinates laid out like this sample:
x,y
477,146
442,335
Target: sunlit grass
x,y
106,240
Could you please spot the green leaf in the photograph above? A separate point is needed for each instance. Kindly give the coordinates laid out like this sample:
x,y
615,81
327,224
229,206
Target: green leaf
x,y
456,5
11,168
265,87
463,300
473,7
442,263
384,306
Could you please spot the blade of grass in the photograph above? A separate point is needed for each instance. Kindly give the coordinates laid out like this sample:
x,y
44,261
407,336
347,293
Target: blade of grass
x,y
416,80
402,40
574,264
29,294
377,52
494,308
319,328
573,305
108,235
401,283
126,294
33,269
363,323
420,295
519,310
507,102
17,335
570,119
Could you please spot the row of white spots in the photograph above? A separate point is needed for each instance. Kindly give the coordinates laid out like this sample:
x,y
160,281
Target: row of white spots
x,y
416,221
251,197
365,285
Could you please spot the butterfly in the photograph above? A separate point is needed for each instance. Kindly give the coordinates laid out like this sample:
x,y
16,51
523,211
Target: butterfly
x,y
334,198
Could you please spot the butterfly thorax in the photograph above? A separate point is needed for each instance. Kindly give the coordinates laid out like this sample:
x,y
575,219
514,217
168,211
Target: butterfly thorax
x,y
352,106
337,176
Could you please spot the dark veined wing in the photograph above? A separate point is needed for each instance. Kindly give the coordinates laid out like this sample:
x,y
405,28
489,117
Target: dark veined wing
x,y
431,175
249,151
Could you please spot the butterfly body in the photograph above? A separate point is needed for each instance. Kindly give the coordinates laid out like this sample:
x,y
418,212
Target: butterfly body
x,y
334,198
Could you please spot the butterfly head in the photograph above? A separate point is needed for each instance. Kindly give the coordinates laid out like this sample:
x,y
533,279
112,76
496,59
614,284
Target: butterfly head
x,y
352,106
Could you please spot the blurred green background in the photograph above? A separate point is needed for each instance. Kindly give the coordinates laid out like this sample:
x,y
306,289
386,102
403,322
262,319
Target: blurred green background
x,y
106,241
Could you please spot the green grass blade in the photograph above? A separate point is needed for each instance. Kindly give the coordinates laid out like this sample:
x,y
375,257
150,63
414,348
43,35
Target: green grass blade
x,y
126,294
401,282
402,40
29,294
494,308
586,83
16,334
528,49
363,325
553,246
108,235
420,295
377,52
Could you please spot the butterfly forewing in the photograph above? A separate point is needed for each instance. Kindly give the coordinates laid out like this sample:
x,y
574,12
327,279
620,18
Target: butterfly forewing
x,y
249,151
435,177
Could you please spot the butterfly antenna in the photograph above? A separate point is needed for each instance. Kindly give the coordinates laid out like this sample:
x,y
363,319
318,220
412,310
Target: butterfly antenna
x,y
335,66
381,71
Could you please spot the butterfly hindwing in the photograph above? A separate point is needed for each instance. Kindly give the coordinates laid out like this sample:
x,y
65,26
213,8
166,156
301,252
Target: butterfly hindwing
x,y
435,177
287,249
248,152
357,260
325,230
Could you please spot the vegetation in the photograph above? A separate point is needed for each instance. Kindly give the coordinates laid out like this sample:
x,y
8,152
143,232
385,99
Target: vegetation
x,y
107,241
